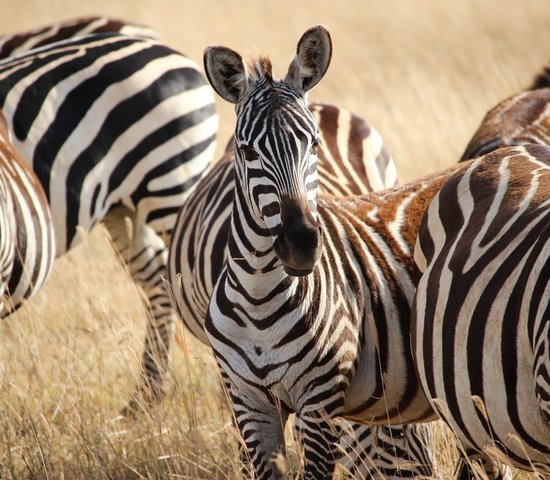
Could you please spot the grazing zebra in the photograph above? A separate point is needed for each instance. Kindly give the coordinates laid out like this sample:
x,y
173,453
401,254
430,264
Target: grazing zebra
x,y
115,127
521,119
27,243
311,313
17,43
518,120
481,311
352,159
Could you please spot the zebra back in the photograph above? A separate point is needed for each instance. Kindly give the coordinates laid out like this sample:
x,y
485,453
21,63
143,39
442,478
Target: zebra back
x,y
17,43
480,314
352,158
27,243
110,119
521,119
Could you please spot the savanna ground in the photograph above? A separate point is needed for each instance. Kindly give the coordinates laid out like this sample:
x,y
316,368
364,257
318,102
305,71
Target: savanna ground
x,y
423,72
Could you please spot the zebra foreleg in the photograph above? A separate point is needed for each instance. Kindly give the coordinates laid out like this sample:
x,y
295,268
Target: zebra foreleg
x,y
145,254
262,429
319,435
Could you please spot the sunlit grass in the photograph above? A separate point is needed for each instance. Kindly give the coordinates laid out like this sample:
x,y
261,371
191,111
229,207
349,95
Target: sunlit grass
x,y
423,73
69,363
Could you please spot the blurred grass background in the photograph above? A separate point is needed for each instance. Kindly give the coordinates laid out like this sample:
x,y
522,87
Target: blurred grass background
x,y
423,73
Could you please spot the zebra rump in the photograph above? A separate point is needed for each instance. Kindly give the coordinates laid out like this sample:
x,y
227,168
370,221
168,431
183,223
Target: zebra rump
x,y
27,243
115,126
480,315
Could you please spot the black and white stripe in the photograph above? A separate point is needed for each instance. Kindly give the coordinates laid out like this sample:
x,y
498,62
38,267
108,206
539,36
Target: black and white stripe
x,y
387,452
518,120
311,313
115,126
27,243
352,159
21,42
481,323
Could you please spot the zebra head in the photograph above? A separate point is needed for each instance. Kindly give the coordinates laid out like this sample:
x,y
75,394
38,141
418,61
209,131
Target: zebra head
x,y
276,139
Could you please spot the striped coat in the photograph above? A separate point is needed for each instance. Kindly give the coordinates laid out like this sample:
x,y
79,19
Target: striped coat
x,y
311,313
481,308
21,42
115,127
351,159
27,243
518,120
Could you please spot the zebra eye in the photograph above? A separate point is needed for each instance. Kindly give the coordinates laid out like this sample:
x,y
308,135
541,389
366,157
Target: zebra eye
x,y
249,152
315,146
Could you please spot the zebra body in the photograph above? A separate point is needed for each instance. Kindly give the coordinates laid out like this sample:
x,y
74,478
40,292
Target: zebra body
x,y
352,159
27,244
481,309
115,127
21,42
311,311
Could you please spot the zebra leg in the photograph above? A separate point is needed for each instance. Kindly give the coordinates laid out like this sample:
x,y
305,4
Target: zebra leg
x,y
246,467
146,255
474,461
319,435
262,429
389,452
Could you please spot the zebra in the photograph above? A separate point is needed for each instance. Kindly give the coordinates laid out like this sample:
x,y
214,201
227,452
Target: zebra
x,y
21,42
27,242
518,120
352,159
311,313
480,313
116,127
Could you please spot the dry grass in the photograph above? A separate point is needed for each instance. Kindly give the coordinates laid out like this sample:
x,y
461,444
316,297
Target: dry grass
x,y
422,72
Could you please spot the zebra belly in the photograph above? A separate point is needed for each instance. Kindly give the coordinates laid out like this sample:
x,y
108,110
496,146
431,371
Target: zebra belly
x,y
385,388
390,398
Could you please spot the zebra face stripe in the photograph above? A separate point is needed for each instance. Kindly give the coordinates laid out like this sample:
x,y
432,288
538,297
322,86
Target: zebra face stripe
x,y
276,142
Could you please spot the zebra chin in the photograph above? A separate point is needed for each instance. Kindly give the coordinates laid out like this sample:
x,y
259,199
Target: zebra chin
x,y
297,273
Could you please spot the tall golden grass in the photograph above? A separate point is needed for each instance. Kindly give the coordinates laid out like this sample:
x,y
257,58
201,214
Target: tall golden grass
x,y
422,72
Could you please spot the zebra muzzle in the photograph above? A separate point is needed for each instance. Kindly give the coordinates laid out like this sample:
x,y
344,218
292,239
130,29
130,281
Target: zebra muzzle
x,y
299,242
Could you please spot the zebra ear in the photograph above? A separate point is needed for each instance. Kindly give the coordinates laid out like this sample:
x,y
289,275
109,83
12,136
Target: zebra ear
x,y
312,59
226,72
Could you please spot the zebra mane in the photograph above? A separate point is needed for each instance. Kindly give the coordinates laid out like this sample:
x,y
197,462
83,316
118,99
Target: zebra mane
x,y
542,80
259,68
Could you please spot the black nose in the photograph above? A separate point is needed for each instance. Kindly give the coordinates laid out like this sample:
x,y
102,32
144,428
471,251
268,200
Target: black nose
x,y
299,241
